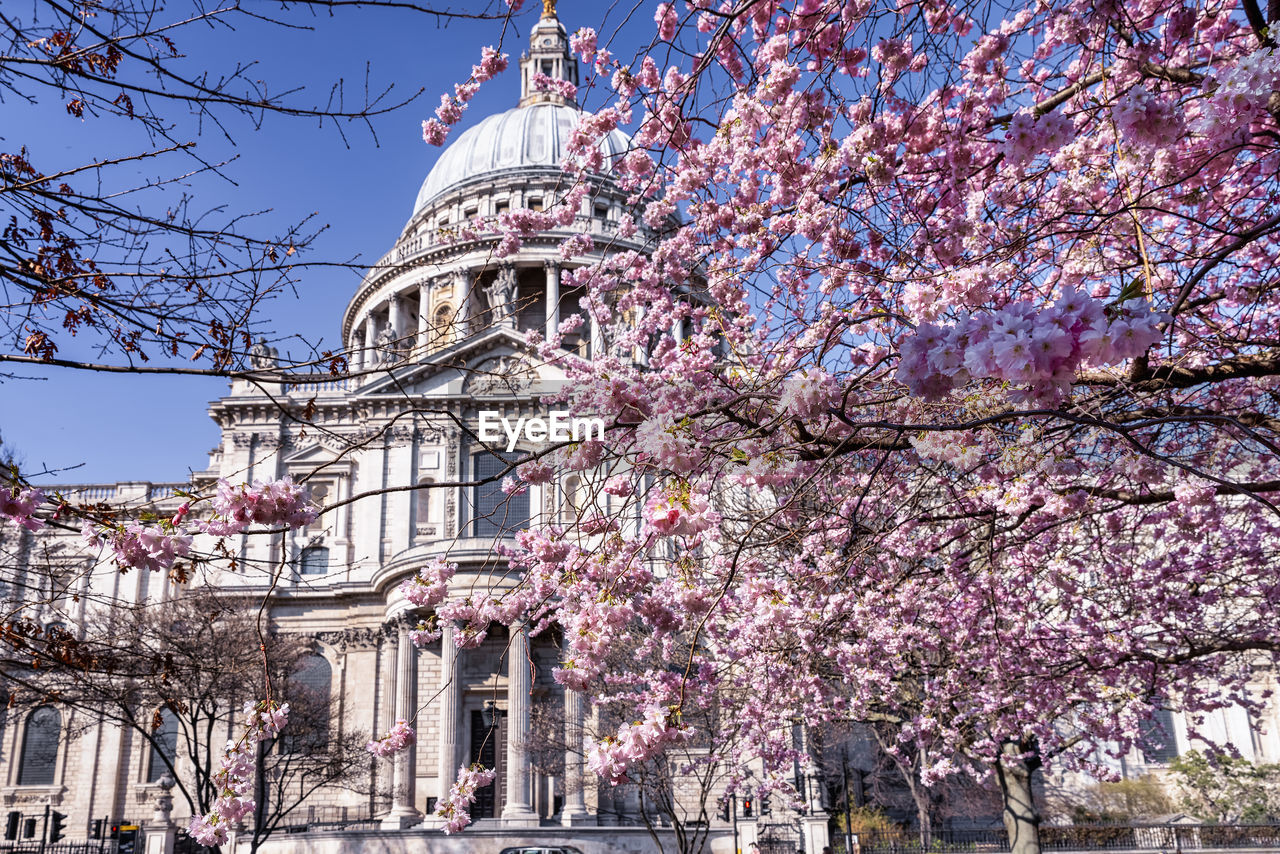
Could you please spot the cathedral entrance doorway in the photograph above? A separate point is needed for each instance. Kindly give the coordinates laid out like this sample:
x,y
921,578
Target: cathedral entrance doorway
x,y
489,748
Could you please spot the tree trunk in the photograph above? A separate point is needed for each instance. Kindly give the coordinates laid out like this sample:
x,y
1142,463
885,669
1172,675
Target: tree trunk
x,y
1021,820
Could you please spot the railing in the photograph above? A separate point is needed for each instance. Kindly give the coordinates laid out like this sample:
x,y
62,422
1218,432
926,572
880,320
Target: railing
x,y
434,237
330,818
315,383
1169,838
111,492
90,493
96,846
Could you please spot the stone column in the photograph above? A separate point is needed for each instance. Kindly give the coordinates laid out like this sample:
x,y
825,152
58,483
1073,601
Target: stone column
x,y
450,694
367,359
396,323
553,297
575,803
393,315
424,315
465,315
403,812
597,337
642,354
518,810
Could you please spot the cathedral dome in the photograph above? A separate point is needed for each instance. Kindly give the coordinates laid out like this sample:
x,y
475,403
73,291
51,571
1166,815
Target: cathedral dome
x,y
521,139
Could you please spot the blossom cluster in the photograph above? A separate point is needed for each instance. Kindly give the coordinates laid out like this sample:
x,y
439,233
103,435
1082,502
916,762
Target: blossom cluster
x,y
456,809
424,633
805,394
1029,135
397,738
138,546
436,131
234,780
1242,93
635,742
429,586
1039,351
276,502
680,514
545,83
1146,120
19,506
664,443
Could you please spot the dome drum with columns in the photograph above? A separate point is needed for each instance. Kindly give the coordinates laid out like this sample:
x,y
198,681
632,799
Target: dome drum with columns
x,y
442,281
437,331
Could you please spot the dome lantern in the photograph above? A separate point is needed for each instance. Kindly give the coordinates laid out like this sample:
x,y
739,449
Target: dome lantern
x,y
548,55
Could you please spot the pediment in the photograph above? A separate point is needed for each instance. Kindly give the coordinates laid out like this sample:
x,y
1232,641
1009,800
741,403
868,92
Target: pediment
x,y
498,363
316,451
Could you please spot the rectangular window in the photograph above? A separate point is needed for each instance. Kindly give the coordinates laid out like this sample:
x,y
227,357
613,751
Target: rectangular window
x,y
164,745
314,560
495,514
1157,743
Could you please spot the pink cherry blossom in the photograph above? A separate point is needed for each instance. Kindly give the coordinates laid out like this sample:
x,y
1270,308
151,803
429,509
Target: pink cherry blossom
x,y
19,506
400,736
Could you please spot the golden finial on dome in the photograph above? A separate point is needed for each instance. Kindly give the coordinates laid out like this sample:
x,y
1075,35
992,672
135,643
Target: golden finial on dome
x,y
548,8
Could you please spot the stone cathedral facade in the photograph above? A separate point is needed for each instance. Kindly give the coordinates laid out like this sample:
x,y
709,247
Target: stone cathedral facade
x,y
438,332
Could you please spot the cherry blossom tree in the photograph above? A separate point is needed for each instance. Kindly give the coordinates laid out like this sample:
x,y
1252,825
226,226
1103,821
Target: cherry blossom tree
x,y
976,301
945,393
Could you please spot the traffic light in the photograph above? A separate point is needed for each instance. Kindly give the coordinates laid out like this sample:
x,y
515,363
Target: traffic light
x,y
128,839
11,825
724,810
764,805
97,828
115,831
57,825
746,807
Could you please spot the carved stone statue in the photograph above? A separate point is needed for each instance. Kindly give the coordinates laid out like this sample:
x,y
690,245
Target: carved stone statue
x,y
502,296
388,351
262,356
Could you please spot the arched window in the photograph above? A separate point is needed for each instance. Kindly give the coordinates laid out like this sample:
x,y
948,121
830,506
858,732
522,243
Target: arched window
x,y
494,513
314,560
164,745
40,747
442,326
309,692
572,501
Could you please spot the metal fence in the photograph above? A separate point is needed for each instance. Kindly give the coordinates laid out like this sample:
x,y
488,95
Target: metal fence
x,y
1170,838
95,846
328,818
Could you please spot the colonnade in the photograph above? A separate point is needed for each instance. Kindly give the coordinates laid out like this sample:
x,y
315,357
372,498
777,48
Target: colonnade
x,y
517,808
370,341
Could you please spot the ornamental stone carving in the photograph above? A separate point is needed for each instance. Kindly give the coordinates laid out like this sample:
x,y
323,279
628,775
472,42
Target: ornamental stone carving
x,y
499,376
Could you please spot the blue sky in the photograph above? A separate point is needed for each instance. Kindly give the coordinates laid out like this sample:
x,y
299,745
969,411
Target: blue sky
x,y
94,427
